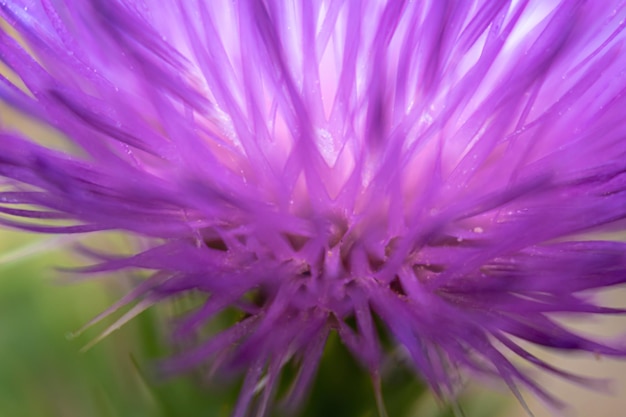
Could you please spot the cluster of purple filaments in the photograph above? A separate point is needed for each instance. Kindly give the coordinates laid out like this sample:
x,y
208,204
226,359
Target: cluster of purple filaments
x,y
441,168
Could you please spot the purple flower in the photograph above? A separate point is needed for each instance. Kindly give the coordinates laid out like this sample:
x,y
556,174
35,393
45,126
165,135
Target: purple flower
x,y
439,167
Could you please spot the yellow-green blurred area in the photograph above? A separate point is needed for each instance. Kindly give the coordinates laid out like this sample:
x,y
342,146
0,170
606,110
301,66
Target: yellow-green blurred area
x,y
43,372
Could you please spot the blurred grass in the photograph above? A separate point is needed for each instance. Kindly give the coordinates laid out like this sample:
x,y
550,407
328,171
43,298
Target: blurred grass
x,y
44,374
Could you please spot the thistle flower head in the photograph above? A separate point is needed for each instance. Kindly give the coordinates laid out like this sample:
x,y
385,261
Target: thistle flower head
x,y
325,165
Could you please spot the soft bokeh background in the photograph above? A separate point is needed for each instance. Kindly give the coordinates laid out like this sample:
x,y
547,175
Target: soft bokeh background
x,y
582,401
43,371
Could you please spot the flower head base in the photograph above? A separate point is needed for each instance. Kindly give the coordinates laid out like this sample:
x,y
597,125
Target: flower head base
x,y
313,163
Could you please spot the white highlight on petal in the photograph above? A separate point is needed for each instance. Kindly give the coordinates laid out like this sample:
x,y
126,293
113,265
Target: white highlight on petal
x,y
326,146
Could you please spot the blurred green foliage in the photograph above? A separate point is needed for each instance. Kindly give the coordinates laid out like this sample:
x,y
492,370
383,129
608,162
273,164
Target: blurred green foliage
x,y
44,374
